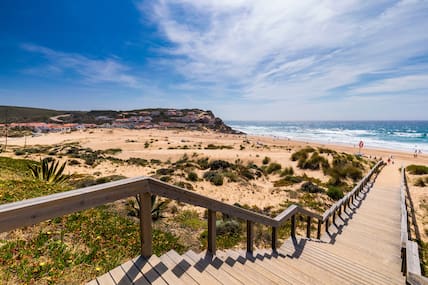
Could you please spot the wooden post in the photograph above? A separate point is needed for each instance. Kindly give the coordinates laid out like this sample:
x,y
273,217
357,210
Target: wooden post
x,y
211,231
274,238
340,210
334,217
293,225
308,227
327,224
319,229
250,234
146,224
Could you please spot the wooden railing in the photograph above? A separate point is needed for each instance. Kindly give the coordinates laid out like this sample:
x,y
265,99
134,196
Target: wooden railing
x,y
32,211
410,266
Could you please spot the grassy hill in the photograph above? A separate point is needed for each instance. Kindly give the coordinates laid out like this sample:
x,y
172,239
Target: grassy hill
x,y
25,114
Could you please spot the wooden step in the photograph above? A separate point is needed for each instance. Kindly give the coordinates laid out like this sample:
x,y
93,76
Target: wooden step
x,y
187,266
204,266
269,260
350,268
177,270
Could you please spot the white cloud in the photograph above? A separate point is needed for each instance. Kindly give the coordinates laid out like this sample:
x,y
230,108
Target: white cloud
x,y
282,50
92,70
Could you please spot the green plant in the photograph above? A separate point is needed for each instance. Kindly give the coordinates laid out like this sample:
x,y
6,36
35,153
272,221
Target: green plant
x,y
420,182
192,176
287,171
311,187
51,172
302,154
157,207
273,167
287,181
266,160
214,177
335,193
417,169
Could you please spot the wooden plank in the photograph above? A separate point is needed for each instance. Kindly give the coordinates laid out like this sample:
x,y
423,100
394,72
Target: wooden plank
x,y
148,271
414,279
164,271
229,265
177,270
211,231
412,258
204,266
92,282
119,276
105,279
134,274
186,266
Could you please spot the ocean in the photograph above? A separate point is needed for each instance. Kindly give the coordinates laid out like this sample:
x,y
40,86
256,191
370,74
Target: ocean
x,y
405,136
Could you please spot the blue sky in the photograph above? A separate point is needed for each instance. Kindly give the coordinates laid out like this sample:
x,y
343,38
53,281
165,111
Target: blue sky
x,y
242,59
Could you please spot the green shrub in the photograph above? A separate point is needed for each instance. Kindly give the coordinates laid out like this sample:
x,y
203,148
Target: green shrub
x,y
266,160
192,176
137,161
113,151
214,177
310,187
287,181
19,152
335,193
314,162
417,169
287,171
420,182
273,167
51,172
302,154
203,163
164,171
219,164
73,162
228,227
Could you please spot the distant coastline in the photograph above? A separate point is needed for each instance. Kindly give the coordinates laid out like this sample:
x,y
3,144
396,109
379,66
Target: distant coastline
x,y
406,136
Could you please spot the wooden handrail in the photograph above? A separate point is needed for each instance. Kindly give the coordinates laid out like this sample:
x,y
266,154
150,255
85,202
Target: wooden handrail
x,y
411,266
31,211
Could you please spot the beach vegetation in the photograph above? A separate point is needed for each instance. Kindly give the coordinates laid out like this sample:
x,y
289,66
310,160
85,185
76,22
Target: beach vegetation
x,y
287,171
310,187
420,182
266,160
302,154
219,164
213,146
326,150
417,169
335,193
203,163
51,172
288,181
184,185
190,219
273,167
192,176
215,177
113,151
137,161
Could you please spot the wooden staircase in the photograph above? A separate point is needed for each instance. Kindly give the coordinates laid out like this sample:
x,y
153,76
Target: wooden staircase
x,y
361,246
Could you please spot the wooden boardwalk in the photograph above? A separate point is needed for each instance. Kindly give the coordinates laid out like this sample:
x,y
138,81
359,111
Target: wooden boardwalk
x,y
361,247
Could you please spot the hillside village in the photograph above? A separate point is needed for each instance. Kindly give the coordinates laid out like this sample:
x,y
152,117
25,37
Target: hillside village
x,y
189,119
